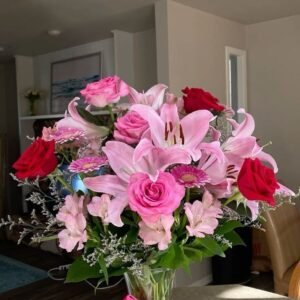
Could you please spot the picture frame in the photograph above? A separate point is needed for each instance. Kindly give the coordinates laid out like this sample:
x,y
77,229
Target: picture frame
x,y
71,75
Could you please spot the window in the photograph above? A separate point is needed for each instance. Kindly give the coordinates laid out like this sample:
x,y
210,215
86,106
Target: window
x,y
236,78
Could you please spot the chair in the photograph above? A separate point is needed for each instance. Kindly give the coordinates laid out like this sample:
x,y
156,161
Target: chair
x,y
282,232
294,286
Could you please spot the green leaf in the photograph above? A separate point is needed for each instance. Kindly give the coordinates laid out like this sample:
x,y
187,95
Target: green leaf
x,y
174,258
193,254
80,270
103,268
228,227
234,238
209,244
88,116
132,235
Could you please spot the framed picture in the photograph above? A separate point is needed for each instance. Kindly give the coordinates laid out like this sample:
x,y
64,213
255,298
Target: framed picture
x,y
70,76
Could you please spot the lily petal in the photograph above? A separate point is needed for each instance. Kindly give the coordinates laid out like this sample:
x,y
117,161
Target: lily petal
x,y
116,208
246,128
169,113
263,156
108,184
150,159
285,191
195,126
156,124
153,97
120,157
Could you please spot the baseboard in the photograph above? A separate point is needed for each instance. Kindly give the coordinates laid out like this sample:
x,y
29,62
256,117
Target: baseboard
x,y
203,281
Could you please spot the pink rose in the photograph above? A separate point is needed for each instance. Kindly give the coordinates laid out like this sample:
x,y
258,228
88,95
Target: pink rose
x,y
130,128
158,232
152,199
130,297
105,91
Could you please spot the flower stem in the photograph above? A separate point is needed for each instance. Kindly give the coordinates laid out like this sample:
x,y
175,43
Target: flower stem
x,y
64,183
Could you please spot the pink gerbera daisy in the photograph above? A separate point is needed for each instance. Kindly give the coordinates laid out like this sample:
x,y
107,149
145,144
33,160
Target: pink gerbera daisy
x,y
189,176
87,164
64,134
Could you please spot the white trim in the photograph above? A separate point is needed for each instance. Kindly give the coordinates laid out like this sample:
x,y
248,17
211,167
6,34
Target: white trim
x,y
203,281
242,75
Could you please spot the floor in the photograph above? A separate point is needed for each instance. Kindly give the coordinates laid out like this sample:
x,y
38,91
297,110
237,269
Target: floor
x,y
48,289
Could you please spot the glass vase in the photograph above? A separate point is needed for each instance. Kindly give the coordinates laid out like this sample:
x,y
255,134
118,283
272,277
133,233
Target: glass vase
x,y
150,284
32,111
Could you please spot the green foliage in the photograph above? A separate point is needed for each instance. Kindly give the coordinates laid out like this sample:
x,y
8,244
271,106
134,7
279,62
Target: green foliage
x,y
80,270
103,267
209,246
234,238
228,226
88,116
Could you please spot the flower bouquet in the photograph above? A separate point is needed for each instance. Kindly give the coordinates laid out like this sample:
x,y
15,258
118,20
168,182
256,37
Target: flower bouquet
x,y
161,185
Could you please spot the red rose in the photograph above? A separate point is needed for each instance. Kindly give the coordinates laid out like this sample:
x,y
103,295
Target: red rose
x,y
37,160
257,182
196,99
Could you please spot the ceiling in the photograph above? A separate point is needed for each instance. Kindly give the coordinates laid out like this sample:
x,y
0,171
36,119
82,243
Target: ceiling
x,y
247,11
24,23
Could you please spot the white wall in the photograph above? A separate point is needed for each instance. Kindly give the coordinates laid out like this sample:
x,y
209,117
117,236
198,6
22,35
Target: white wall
x,y
274,91
197,43
145,66
191,52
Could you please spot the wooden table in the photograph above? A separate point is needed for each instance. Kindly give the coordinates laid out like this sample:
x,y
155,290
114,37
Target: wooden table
x,y
47,289
51,290
220,292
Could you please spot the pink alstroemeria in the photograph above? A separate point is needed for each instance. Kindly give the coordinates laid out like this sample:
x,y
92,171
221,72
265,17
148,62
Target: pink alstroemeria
x,y
77,122
74,234
202,215
117,188
243,145
72,207
154,97
168,131
72,215
158,232
98,207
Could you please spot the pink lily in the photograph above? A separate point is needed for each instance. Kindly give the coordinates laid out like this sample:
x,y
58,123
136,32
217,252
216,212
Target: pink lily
x,y
168,131
154,97
145,158
125,161
214,163
74,120
243,145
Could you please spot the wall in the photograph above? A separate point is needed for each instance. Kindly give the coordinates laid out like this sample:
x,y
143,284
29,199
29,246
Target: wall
x,y
191,51
273,90
42,65
197,43
10,199
144,59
